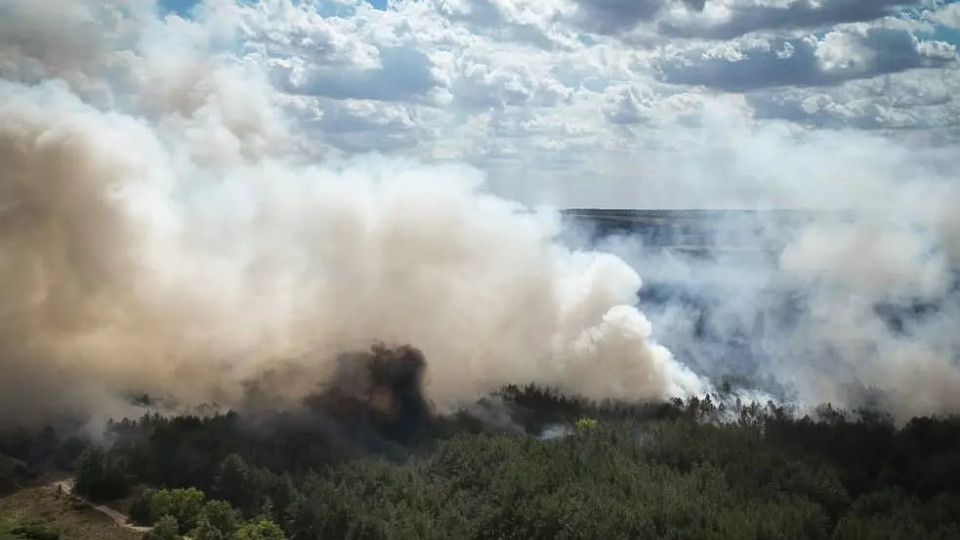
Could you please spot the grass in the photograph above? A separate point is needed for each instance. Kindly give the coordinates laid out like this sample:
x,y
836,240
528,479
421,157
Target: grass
x,y
38,514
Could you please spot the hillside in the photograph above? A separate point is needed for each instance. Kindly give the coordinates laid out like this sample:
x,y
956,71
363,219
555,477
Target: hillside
x,y
698,230
37,513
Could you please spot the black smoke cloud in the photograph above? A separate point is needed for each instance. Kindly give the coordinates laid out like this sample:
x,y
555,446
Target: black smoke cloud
x,y
374,401
382,388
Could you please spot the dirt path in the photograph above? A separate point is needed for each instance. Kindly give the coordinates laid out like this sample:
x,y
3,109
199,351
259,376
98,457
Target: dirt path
x,y
66,486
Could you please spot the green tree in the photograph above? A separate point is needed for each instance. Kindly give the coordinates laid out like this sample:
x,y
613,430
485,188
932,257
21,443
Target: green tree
x,y
262,529
140,511
207,531
217,521
237,484
90,471
97,478
166,528
184,505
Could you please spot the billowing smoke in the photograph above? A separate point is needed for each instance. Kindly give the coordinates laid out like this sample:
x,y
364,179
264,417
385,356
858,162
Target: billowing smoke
x,y
373,401
161,232
165,230
853,300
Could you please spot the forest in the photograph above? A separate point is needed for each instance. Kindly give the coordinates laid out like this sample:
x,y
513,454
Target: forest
x,y
524,463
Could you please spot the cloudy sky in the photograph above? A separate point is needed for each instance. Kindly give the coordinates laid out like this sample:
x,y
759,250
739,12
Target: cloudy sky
x,y
645,103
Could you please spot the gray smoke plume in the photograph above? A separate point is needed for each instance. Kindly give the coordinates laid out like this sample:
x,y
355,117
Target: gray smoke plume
x,y
161,233
853,300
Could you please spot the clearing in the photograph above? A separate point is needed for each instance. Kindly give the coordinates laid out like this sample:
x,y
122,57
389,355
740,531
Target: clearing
x,y
38,513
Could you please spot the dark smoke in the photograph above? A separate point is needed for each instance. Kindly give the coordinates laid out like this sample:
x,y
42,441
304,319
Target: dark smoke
x,y
380,390
373,402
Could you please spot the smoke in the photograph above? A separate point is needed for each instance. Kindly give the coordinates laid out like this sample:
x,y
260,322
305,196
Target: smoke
x,y
854,300
165,230
374,401
161,232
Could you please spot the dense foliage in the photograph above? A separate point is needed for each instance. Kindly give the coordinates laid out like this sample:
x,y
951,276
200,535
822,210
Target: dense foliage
x,y
182,511
98,477
682,470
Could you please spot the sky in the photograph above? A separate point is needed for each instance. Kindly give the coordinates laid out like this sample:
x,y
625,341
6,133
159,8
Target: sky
x,y
640,103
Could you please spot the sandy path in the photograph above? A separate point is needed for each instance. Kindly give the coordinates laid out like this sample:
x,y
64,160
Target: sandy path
x,y
66,486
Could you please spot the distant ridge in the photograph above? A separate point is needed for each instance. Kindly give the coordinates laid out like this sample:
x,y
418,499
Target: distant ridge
x,y
697,213
700,230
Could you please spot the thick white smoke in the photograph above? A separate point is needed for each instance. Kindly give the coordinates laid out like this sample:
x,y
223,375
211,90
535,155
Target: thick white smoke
x,y
856,302
160,232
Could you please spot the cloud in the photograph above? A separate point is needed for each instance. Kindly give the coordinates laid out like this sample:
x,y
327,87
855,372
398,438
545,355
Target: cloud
x,y
727,19
920,99
402,73
480,82
851,52
733,19
309,54
617,16
531,22
630,106
947,15
518,88
364,126
612,16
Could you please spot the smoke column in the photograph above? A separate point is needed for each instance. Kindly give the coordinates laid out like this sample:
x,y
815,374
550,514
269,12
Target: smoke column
x,y
855,300
162,232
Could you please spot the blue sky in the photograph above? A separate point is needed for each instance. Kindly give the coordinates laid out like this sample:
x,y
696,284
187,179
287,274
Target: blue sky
x,y
180,7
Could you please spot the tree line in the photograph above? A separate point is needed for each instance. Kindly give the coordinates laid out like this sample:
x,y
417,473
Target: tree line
x,y
693,469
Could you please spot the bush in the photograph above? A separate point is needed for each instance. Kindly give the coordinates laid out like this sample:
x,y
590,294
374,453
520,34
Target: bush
x,y
217,521
140,511
262,529
35,531
586,423
166,528
183,505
